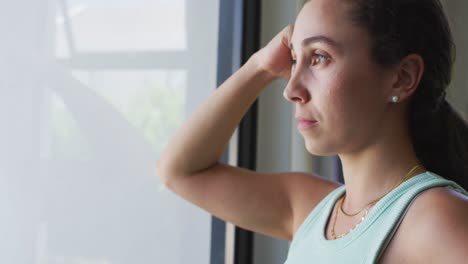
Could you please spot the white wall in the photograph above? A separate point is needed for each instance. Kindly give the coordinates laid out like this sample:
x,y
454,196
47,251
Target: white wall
x,y
457,94
274,131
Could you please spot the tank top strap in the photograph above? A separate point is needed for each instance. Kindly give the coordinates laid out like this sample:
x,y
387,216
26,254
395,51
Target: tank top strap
x,y
391,211
316,214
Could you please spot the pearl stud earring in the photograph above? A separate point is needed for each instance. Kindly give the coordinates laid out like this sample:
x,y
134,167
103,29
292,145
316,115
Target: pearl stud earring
x,y
395,98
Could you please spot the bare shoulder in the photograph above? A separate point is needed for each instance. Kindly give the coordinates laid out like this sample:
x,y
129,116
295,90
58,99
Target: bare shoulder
x,y
436,224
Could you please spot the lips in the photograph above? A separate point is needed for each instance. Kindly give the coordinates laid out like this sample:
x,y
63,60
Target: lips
x,y
302,119
305,123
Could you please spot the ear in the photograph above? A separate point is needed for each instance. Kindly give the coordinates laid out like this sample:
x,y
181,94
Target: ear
x,y
408,76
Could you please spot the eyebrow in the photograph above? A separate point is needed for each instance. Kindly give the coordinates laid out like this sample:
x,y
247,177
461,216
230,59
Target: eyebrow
x,y
318,39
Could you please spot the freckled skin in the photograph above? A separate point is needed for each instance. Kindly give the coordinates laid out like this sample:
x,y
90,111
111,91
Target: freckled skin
x,y
348,94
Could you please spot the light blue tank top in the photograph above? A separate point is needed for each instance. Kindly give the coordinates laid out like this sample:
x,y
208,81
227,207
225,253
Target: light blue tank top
x,y
367,241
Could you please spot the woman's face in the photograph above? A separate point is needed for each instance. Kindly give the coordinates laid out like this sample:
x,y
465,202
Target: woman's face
x,y
334,80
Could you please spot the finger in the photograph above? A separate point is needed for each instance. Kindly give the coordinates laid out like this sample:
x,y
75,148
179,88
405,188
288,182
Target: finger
x,y
289,31
287,34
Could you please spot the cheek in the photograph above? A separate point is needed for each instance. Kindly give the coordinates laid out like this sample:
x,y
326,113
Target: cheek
x,y
346,100
336,98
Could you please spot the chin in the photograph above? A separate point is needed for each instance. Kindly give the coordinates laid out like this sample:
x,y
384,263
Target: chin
x,y
318,149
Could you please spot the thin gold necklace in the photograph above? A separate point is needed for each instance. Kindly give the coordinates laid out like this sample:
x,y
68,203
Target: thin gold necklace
x,y
376,200
340,203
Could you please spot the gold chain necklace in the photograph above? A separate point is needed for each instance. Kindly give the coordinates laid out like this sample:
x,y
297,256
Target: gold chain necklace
x,y
376,200
340,204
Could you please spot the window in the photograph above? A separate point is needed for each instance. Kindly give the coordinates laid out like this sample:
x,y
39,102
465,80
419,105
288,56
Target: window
x,y
91,92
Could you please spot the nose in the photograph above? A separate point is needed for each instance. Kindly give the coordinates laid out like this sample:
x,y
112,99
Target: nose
x,y
296,91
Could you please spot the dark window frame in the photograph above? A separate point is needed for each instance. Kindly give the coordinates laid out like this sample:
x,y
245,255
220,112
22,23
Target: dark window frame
x,y
239,38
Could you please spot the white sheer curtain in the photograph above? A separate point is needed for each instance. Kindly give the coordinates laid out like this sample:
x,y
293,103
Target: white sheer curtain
x,y
91,90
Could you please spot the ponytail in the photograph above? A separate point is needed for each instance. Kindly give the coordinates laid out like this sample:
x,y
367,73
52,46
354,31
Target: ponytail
x,y
440,139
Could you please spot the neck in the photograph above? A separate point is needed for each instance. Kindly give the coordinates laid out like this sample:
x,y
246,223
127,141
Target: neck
x,y
374,171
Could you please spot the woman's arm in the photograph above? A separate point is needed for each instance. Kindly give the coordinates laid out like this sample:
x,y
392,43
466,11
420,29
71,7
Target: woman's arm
x,y
200,142
274,204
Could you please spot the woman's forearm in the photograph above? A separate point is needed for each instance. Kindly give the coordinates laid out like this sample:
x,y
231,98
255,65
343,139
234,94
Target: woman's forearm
x,y
201,140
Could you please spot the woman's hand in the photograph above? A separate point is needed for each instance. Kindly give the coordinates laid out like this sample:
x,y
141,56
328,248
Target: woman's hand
x,y
275,57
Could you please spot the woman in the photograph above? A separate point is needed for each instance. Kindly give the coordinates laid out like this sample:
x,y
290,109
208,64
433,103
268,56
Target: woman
x,y
368,80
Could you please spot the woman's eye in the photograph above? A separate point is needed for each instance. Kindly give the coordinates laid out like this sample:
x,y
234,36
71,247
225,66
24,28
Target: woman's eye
x,y
319,59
